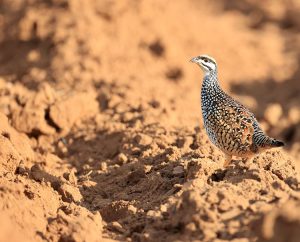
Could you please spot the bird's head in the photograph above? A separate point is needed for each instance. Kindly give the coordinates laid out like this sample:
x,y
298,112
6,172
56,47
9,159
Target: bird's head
x,y
207,63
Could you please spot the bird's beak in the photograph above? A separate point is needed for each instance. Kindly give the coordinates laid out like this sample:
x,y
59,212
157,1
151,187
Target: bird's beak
x,y
194,60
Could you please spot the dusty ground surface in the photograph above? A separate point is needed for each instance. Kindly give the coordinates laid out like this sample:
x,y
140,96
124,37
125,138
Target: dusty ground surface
x,y
101,131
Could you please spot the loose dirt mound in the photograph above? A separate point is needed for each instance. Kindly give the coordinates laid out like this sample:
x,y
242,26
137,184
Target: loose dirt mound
x,y
281,224
100,127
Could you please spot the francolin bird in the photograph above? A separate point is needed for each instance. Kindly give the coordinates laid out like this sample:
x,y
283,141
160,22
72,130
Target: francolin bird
x,y
230,125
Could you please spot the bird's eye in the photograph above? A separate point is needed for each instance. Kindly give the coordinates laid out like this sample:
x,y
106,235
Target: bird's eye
x,y
205,60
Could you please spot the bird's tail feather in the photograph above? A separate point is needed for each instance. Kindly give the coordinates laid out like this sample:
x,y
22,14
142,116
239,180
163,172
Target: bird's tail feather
x,y
272,143
264,141
277,143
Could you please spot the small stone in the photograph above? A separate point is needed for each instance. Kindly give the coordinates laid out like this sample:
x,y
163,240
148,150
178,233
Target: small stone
x,y
147,168
132,209
273,113
146,236
33,56
197,183
86,167
191,227
178,170
71,177
224,205
233,226
163,208
230,214
127,116
62,147
69,193
143,139
137,124
152,213
122,158
136,151
212,198
103,166
115,226
88,183
209,234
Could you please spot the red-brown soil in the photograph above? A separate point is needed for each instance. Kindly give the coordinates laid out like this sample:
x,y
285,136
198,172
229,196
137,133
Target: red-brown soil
x,y
101,134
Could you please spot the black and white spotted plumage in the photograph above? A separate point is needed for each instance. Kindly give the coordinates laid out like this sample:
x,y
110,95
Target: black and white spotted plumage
x,y
229,125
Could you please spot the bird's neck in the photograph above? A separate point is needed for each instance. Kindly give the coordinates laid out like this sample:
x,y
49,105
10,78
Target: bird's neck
x,y
210,81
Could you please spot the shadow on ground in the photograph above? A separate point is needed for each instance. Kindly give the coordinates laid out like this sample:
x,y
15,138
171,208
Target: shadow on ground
x,y
118,178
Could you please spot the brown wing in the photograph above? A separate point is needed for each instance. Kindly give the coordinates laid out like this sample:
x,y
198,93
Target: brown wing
x,y
234,129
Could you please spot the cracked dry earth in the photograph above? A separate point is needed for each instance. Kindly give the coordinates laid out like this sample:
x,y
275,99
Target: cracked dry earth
x,y
101,137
